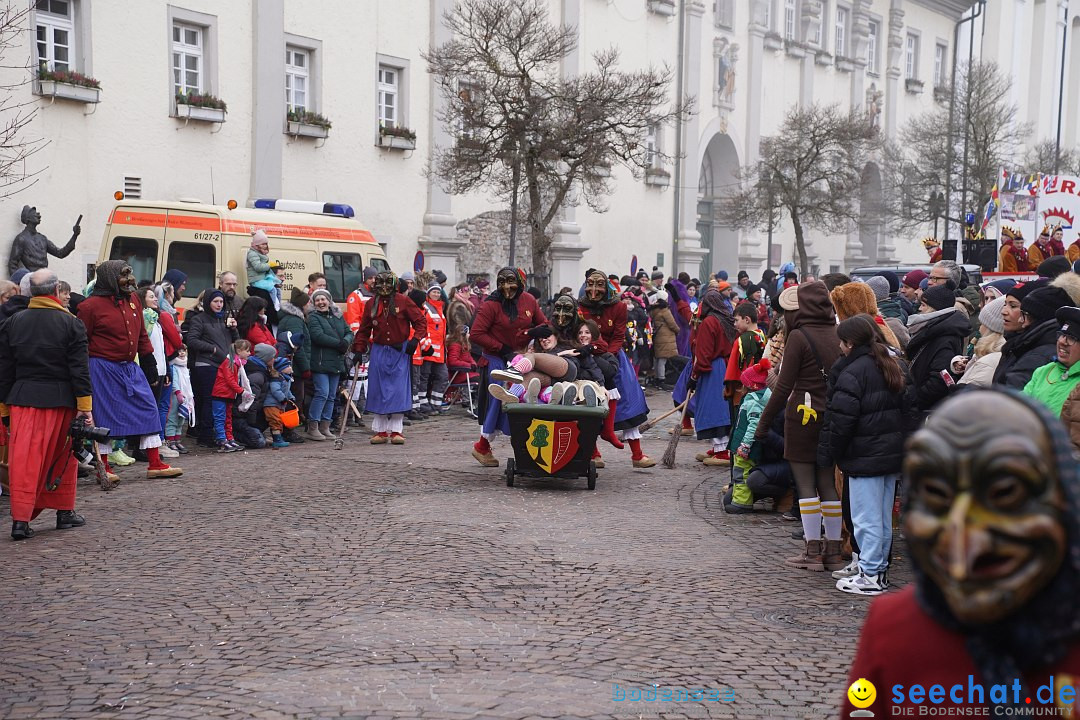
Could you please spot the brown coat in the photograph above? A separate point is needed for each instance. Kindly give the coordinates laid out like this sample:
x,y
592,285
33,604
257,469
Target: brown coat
x,y
1070,415
800,374
664,331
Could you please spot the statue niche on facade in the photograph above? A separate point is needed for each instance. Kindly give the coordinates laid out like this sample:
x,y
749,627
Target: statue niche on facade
x,y
31,249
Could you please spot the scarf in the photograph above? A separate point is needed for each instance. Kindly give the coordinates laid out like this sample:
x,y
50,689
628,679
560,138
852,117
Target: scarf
x,y
107,280
714,304
185,396
149,319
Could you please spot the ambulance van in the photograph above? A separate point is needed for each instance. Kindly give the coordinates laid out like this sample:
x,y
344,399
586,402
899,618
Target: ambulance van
x,y
203,240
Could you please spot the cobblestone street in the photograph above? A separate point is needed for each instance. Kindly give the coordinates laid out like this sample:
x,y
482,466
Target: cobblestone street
x,y
409,582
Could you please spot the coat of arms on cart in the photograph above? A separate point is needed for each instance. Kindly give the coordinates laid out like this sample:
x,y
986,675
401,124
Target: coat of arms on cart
x,y
552,444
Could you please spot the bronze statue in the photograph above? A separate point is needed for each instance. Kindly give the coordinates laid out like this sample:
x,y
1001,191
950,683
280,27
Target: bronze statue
x,y
31,249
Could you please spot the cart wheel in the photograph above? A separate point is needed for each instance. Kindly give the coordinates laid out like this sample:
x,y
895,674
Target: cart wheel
x,y
510,466
592,475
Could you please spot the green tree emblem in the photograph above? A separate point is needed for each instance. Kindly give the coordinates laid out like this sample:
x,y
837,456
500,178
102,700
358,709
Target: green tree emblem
x,y
540,440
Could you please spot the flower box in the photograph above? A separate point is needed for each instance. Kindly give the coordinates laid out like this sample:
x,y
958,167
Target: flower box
x,y
67,91
203,114
662,7
397,142
773,41
300,129
941,94
913,86
657,177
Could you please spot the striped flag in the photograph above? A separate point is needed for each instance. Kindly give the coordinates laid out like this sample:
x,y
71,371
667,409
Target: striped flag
x,y
994,204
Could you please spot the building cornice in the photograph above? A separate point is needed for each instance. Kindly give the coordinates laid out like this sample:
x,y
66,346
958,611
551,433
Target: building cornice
x,y
951,8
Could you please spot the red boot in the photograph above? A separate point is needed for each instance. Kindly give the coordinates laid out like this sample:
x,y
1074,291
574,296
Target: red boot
x,y
608,433
638,457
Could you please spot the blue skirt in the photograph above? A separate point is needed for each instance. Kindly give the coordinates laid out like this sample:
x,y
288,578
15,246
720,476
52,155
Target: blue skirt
x,y
712,416
493,416
632,409
389,387
125,403
679,393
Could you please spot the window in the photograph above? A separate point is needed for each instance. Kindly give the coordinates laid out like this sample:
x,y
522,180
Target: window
x,y
297,75
55,34
725,13
940,63
187,59
140,254
468,95
840,49
911,61
790,20
344,273
816,38
768,18
872,48
379,264
197,261
389,115
652,146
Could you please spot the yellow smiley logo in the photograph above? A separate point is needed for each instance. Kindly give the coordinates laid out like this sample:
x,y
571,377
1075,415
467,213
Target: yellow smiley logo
x,y
862,693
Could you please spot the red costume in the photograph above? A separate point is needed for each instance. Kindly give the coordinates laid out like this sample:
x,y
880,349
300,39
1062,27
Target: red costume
x,y
381,330
1013,258
1037,253
259,333
114,328
170,333
1073,252
712,343
612,323
936,255
893,651
496,334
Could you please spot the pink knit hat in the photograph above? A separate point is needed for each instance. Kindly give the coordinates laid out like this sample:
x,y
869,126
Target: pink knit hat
x,y
258,237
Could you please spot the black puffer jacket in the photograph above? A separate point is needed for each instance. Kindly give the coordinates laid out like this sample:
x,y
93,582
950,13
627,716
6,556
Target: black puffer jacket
x,y
865,422
208,338
931,348
1024,351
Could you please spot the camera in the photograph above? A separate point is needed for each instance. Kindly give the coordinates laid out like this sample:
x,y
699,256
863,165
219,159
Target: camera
x,y
79,430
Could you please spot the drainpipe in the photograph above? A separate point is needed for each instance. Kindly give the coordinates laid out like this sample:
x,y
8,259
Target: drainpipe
x,y
678,141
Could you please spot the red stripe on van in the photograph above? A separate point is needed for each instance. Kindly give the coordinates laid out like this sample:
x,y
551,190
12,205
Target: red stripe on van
x,y
123,216
195,222
301,231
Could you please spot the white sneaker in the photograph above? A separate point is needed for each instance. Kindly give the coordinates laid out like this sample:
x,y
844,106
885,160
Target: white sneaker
x,y
509,375
167,452
849,570
861,584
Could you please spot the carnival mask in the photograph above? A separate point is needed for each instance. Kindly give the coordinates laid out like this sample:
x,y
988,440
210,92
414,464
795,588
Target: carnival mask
x,y
564,312
385,284
985,509
126,280
509,283
596,286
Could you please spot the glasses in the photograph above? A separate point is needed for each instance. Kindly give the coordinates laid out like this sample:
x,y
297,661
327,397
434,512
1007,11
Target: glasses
x,y
935,279
1068,339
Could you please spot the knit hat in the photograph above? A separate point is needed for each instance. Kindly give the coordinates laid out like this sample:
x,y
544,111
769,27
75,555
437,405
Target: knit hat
x,y
892,279
990,315
434,286
754,377
175,277
1069,317
721,275
408,275
482,284
939,297
1042,303
658,275
913,278
751,289
369,273
440,277
322,291
17,276
723,285
1000,286
789,298
1053,266
743,274
880,286
265,353
258,237
299,298
924,283
281,363
1021,290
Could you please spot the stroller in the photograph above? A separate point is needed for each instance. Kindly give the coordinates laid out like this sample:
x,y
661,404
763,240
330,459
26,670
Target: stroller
x,y
553,441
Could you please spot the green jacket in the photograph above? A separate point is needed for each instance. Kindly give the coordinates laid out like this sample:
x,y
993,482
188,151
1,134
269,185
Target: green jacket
x,y
330,340
291,320
1052,383
749,414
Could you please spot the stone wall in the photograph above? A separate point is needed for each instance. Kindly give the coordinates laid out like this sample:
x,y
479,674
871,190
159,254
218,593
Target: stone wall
x,y
488,250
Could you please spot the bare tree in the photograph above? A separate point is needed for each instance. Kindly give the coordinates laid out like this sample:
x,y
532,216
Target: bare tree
x,y
520,124
810,171
15,114
1044,156
986,136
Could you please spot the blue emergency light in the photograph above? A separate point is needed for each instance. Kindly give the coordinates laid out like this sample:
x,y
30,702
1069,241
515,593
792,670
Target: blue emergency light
x,y
308,206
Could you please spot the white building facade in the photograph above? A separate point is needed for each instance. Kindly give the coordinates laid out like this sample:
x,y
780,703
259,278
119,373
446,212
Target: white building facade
x,y
359,64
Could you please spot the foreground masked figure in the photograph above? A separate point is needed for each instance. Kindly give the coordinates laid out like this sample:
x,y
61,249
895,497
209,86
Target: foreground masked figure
x,y
992,523
501,329
627,408
387,321
117,341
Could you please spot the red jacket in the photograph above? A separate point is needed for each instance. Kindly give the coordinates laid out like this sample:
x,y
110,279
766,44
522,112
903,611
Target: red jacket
x,y
259,333
900,645
612,323
458,357
493,331
436,333
170,333
226,386
114,328
383,330
712,343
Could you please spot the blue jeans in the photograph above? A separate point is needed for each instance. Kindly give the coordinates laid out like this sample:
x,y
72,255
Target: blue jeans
x,y
871,513
221,414
322,404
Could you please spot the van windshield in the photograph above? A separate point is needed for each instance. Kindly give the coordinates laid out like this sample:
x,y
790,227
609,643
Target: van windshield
x,y
139,253
380,264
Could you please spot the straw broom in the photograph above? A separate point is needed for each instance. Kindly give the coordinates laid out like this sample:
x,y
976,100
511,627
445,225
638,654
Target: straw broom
x,y
649,424
669,455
